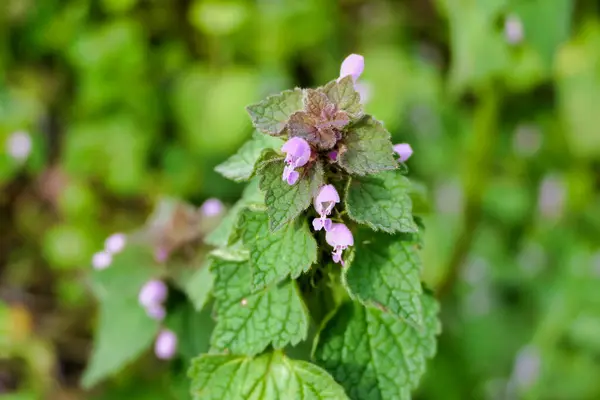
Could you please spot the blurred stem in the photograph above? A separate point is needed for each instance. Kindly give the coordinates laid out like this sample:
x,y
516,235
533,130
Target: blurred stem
x,y
475,177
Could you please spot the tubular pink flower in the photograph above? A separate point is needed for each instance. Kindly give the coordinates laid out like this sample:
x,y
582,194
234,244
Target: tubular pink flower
x,y
327,198
297,155
101,260
353,65
152,293
115,243
340,238
165,345
404,151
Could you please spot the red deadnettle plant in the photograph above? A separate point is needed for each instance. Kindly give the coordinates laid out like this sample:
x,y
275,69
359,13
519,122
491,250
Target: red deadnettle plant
x,y
311,281
317,274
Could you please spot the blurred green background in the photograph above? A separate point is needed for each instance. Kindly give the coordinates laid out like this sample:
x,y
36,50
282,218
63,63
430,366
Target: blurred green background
x,y
107,105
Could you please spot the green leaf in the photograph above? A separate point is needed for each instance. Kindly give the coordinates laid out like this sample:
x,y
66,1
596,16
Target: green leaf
x,y
375,355
126,275
270,376
241,166
276,255
537,16
381,201
367,148
124,330
248,322
270,116
578,84
252,196
344,95
198,286
193,328
285,202
385,273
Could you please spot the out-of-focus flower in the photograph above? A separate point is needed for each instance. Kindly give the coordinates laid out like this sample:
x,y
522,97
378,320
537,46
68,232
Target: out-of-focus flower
x,y
551,198
513,29
404,151
156,311
527,366
152,293
165,345
101,260
364,90
353,65
340,238
19,145
211,208
527,140
324,202
115,243
297,155
161,254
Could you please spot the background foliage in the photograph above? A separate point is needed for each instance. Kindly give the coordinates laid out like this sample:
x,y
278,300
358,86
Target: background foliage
x,y
130,100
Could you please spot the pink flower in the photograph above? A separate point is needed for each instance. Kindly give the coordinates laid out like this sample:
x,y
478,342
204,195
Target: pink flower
x,y
101,260
404,151
353,65
211,208
115,243
297,155
165,345
340,238
327,198
152,293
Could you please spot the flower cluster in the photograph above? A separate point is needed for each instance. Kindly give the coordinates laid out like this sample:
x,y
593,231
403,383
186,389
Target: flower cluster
x,y
318,128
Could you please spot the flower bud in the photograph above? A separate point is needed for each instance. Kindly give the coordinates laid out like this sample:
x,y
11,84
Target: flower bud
x,y
404,151
353,65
